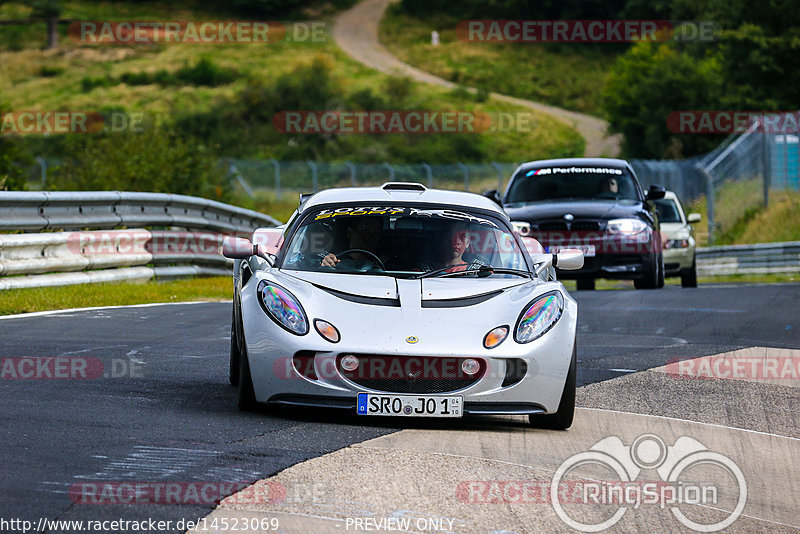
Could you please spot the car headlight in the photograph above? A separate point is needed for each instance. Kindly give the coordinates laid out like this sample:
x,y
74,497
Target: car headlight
x,y
282,307
676,243
626,226
539,317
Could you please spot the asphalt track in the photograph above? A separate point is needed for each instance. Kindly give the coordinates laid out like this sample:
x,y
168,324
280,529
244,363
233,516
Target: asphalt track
x,y
173,418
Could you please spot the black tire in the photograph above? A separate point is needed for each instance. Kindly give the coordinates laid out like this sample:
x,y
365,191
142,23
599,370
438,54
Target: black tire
x,y
661,272
233,367
562,419
652,276
247,397
689,276
585,284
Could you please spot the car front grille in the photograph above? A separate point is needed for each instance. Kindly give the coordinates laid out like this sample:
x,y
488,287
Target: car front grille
x,y
584,226
574,226
410,374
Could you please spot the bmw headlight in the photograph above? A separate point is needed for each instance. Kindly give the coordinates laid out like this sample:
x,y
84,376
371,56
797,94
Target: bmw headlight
x,y
626,226
539,317
282,307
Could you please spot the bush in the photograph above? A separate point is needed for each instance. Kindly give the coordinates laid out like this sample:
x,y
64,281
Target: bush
x,y
649,82
154,160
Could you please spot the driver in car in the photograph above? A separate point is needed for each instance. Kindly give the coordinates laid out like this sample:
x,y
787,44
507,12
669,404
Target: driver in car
x,y
609,188
363,236
453,248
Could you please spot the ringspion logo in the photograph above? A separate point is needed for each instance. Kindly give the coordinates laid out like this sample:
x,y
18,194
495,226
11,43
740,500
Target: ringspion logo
x,y
680,488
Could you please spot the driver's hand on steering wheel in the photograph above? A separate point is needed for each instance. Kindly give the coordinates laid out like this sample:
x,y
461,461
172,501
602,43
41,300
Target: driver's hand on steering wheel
x,y
330,261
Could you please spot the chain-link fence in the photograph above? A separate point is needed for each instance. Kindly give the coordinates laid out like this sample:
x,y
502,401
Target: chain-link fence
x,y
307,176
734,180
728,184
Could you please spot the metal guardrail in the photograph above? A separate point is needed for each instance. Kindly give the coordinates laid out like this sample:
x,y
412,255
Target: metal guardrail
x,y
763,258
68,210
78,257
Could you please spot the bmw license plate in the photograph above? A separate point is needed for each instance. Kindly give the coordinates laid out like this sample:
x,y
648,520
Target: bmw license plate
x,y
410,405
588,250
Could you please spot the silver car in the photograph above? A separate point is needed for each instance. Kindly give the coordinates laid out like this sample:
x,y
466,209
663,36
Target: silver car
x,y
677,236
403,301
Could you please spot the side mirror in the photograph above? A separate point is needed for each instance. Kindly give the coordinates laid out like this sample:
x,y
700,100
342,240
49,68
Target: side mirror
x,y
238,248
494,195
568,259
656,192
694,218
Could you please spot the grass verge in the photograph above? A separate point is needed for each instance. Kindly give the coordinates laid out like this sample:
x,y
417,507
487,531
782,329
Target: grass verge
x,y
569,76
90,295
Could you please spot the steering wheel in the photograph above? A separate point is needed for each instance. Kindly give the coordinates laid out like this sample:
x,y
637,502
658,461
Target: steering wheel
x,y
378,261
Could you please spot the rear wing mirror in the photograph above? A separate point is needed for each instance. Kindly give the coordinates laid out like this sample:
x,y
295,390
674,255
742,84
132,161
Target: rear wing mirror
x,y
694,218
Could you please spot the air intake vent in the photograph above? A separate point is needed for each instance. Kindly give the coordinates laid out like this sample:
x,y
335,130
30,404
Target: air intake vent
x,y
404,186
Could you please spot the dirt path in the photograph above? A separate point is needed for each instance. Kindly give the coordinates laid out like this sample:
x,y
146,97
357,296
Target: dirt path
x,y
356,32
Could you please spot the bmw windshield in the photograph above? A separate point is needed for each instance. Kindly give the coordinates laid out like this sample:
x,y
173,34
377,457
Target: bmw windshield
x,y
404,241
571,183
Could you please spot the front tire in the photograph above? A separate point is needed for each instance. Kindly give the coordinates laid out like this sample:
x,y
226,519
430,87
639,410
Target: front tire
x,y
654,278
235,356
247,397
562,419
585,284
689,276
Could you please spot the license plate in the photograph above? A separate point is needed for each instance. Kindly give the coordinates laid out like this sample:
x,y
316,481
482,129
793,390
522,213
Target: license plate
x,y
410,405
588,250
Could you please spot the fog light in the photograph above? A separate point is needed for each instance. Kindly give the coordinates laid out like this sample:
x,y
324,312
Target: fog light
x,y
470,366
349,363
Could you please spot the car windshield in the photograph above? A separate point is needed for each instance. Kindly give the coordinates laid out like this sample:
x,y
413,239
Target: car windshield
x,y
571,183
404,241
668,211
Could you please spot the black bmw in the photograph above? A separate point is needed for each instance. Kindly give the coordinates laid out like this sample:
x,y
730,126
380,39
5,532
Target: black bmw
x,y
597,205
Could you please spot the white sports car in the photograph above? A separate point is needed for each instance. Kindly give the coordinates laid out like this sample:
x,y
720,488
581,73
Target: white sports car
x,y
403,301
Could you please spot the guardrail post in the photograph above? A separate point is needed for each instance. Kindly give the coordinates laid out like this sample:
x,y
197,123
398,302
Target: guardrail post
x,y
276,164
466,175
313,166
391,170
353,180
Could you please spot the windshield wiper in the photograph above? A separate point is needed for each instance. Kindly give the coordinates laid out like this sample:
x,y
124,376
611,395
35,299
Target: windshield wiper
x,y
482,271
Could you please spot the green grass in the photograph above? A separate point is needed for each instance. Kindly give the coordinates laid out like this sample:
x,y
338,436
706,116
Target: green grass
x,y
89,295
564,75
742,219
89,77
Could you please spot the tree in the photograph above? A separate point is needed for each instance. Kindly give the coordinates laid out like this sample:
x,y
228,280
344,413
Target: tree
x,y
652,80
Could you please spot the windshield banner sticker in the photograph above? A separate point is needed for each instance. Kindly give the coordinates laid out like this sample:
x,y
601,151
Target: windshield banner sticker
x,y
410,212
573,170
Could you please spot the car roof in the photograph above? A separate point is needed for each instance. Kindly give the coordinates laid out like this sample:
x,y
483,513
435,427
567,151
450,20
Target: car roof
x,y
590,162
401,192
670,195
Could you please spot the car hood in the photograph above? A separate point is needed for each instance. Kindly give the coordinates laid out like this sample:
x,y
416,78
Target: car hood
x,y
385,287
596,209
675,230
